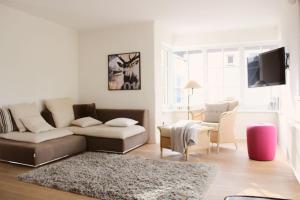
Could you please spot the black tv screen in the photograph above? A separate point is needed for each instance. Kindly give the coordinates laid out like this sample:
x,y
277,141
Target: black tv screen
x,y
267,69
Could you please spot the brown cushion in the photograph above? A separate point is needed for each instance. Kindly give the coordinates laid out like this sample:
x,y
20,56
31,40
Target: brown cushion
x,y
14,122
85,110
47,115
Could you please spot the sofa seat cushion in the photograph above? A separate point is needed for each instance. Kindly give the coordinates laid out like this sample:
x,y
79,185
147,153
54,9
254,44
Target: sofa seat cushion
x,y
108,131
36,137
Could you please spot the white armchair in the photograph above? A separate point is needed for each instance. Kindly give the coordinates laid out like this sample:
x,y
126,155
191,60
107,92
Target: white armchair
x,y
223,131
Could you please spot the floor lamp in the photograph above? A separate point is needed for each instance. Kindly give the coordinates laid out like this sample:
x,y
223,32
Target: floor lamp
x,y
191,85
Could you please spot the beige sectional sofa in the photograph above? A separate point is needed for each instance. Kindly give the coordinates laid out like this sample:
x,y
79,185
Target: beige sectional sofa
x,y
112,139
35,149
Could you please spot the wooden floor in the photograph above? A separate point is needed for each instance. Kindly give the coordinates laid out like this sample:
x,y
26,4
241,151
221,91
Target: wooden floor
x,y
237,175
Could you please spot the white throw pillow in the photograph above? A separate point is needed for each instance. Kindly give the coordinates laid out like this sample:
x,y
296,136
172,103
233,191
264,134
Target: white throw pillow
x,y
213,111
121,122
86,121
19,111
61,110
36,124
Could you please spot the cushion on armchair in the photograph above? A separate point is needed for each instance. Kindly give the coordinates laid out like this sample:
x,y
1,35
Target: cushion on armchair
x,y
213,111
232,105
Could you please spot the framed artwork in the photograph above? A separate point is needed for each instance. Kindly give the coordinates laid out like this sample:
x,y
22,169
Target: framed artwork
x,y
124,71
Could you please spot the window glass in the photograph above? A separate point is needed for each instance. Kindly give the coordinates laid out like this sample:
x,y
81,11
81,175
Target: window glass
x,y
181,78
165,79
215,58
196,72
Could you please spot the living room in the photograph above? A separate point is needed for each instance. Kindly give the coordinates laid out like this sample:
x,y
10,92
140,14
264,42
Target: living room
x,y
182,59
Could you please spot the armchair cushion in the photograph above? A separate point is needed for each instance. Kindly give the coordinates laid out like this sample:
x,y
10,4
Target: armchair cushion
x,y
215,126
213,111
232,105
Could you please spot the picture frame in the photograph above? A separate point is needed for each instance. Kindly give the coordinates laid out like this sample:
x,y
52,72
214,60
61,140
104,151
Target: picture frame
x,y
124,71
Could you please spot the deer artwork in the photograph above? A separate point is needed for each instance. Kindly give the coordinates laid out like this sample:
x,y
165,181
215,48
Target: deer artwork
x,y
123,72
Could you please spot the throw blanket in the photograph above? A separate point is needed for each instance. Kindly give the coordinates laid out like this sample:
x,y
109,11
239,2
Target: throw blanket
x,y
183,134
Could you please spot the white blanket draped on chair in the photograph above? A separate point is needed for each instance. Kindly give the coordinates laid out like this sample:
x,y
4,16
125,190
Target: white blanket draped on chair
x,y
184,134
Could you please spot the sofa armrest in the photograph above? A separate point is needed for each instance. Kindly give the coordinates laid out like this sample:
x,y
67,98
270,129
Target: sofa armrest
x,y
141,116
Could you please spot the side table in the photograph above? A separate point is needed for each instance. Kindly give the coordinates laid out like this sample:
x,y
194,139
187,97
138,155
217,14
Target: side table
x,y
203,139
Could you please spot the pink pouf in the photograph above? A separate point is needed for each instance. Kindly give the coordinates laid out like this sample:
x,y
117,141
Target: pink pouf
x,y
262,141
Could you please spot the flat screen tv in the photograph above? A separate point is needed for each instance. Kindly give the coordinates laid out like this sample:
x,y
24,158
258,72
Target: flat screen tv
x,y
267,69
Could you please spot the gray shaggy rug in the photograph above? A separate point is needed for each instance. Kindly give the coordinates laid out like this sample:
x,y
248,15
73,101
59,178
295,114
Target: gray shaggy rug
x,y
112,177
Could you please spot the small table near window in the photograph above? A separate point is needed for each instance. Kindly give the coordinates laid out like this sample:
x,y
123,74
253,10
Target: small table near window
x,y
203,139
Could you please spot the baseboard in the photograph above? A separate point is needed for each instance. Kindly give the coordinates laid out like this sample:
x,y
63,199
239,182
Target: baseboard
x,y
289,163
295,173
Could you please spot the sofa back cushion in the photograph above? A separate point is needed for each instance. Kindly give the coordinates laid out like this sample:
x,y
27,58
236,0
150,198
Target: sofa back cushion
x,y
85,110
36,124
24,110
61,110
6,121
47,115
213,111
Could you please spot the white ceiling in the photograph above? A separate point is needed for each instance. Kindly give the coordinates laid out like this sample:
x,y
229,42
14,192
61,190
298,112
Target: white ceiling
x,y
180,15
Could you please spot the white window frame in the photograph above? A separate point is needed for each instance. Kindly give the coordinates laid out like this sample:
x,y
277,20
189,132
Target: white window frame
x,y
241,47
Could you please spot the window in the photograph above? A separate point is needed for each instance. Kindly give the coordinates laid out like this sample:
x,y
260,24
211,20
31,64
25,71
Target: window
x,y
188,65
222,73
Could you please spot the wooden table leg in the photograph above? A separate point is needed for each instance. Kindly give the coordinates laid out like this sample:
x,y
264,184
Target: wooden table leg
x,y
208,134
186,154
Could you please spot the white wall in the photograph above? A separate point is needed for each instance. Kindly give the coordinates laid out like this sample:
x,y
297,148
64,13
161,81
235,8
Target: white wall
x,y
96,45
227,37
289,135
245,119
162,36
38,59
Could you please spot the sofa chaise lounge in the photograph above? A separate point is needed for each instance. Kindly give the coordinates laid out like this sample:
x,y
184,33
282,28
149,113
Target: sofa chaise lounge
x,y
83,139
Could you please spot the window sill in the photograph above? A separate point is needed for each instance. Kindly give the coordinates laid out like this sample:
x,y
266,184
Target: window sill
x,y
257,111
239,111
174,111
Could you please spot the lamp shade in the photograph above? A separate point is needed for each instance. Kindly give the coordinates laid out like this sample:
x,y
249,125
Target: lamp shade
x,y
192,85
